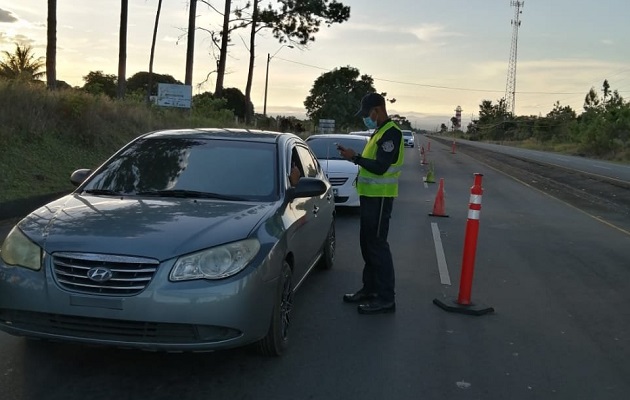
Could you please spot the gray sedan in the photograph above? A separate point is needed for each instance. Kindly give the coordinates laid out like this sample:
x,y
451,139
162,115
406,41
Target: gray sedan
x,y
184,240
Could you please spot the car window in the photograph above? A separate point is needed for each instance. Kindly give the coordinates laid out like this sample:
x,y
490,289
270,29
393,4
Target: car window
x,y
407,133
226,167
311,167
325,148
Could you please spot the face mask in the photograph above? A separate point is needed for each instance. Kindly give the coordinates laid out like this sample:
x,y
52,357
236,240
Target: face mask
x,y
369,123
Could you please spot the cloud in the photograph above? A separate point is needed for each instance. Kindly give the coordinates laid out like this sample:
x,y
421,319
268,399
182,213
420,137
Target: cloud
x,y
7,16
607,42
433,33
12,39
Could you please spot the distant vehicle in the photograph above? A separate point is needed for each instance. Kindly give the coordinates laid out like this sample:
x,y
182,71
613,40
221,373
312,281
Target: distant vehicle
x,y
184,240
341,173
408,138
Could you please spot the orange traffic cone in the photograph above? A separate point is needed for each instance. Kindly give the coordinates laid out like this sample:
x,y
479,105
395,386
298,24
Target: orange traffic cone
x,y
424,160
439,209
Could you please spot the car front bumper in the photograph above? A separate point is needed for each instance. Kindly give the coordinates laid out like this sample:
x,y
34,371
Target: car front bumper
x,y
345,190
198,315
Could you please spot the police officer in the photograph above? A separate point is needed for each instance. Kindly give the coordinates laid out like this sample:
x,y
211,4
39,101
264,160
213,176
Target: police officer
x,y
379,168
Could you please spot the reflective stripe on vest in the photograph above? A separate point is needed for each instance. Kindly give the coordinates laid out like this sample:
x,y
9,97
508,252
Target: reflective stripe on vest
x,y
386,185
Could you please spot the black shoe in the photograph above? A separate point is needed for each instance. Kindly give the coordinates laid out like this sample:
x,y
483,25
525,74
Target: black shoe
x,y
358,297
377,307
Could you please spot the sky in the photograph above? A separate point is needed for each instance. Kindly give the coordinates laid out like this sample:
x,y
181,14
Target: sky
x,y
430,55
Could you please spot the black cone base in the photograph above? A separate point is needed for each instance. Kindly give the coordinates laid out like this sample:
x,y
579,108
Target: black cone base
x,y
472,309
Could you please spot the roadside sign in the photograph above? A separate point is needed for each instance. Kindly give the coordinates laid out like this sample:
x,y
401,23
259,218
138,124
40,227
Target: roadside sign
x,y
326,126
171,95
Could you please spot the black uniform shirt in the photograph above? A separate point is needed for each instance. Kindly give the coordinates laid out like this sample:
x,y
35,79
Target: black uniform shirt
x,y
386,154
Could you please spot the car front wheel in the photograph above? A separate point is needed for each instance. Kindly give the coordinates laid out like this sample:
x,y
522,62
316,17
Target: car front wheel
x,y
277,339
328,252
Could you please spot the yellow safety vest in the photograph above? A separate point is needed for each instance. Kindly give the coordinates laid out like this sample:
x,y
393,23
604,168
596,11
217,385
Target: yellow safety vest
x,y
386,185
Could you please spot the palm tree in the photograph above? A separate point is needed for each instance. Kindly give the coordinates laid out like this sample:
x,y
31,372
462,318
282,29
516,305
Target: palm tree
x,y
190,49
122,49
155,29
51,46
22,64
252,40
225,38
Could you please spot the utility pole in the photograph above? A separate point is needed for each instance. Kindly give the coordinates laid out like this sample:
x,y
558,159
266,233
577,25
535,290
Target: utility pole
x,y
510,87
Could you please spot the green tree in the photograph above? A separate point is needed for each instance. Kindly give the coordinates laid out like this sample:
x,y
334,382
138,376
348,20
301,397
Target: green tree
x,y
615,101
591,101
299,21
337,95
140,82
236,101
96,82
402,122
606,90
291,21
22,64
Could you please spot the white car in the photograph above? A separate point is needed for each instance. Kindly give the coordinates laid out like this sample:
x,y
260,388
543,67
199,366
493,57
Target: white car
x,y
342,174
408,138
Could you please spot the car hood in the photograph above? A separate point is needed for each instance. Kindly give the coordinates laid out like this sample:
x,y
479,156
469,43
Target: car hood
x,y
338,167
156,228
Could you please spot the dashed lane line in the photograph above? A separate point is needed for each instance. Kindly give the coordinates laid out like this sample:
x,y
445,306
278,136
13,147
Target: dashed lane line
x,y
439,253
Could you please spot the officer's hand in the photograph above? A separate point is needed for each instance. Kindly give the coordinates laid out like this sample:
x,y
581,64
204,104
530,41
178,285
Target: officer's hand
x,y
346,153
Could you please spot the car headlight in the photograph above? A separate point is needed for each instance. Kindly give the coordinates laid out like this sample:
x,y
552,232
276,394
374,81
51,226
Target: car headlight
x,y
18,250
215,263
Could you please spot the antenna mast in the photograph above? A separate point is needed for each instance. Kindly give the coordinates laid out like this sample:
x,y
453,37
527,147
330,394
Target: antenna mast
x,y
510,87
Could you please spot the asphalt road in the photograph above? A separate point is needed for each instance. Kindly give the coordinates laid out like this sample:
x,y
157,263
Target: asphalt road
x,y
588,165
558,279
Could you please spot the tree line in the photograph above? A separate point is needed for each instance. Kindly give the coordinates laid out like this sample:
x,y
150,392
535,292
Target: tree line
x,y
601,129
294,22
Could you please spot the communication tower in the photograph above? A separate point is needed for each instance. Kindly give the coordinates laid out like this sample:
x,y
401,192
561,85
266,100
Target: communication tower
x,y
458,116
510,87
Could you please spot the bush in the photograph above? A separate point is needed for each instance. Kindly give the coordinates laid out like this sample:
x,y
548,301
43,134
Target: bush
x,y
45,135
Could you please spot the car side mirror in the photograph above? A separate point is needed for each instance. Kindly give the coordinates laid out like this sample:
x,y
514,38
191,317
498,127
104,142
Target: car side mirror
x,y
79,176
307,187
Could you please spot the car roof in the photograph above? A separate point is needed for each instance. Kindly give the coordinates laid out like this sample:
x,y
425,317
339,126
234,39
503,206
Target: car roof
x,y
336,136
221,133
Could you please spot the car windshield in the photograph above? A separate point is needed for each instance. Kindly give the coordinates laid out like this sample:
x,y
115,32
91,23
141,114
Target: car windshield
x,y
185,167
407,133
326,148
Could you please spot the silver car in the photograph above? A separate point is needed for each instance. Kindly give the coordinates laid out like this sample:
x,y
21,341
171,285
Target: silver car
x,y
341,173
184,240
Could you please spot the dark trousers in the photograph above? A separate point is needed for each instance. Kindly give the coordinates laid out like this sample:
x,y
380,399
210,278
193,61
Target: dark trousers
x,y
378,272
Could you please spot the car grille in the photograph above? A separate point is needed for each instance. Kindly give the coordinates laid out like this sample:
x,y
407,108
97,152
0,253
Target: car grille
x,y
337,181
110,274
72,326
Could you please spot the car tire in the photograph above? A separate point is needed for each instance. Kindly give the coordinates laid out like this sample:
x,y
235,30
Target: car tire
x,y
277,339
327,259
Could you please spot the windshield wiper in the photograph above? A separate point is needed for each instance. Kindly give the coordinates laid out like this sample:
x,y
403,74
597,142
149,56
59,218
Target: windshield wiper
x,y
189,194
106,192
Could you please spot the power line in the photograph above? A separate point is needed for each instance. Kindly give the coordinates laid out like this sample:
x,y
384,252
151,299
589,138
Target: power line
x,y
436,86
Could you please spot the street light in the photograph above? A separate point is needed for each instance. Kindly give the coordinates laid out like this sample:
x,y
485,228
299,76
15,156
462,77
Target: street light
x,y
269,57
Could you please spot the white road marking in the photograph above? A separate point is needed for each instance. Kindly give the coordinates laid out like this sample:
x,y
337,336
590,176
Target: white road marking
x,y
439,253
